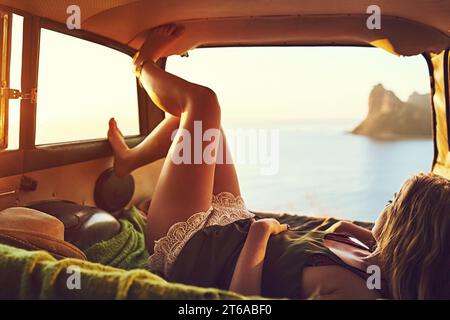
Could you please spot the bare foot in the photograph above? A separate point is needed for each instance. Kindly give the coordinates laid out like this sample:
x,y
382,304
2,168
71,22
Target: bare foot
x,y
121,150
159,40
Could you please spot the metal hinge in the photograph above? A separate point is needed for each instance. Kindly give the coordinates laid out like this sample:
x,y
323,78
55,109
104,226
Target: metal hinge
x,y
9,93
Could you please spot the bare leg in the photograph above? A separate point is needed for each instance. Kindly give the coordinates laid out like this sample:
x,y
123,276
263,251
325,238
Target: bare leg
x,y
181,95
181,189
225,178
156,146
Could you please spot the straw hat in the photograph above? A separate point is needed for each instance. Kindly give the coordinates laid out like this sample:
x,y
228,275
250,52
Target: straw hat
x,y
30,229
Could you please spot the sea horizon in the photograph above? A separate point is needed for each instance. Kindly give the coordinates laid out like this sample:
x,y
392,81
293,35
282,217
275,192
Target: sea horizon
x,y
327,171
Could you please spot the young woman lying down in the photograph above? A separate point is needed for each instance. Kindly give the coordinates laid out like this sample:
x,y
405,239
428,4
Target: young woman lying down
x,y
200,232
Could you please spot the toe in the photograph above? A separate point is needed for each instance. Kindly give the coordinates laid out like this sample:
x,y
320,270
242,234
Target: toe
x,y
112,123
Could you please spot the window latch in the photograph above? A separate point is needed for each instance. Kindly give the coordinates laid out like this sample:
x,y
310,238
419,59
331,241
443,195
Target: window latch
x,y
9,93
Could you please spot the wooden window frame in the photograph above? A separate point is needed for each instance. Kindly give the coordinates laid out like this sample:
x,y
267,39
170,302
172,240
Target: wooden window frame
x,y
29,156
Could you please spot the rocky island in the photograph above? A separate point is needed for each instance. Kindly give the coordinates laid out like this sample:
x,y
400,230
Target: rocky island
x,y
390,118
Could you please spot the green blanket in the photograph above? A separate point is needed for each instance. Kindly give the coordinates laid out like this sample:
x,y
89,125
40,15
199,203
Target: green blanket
x,y
126,250
37,275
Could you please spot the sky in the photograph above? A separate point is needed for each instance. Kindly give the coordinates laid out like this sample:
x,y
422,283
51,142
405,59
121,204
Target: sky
x,y
300,83
82,85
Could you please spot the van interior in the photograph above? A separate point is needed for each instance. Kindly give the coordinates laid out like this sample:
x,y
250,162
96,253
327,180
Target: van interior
x,y
73,180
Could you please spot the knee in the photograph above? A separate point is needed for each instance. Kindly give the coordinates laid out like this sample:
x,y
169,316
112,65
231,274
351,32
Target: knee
x,y
205,104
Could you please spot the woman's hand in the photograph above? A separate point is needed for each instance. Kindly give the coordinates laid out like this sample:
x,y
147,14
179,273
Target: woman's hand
x,y
248,271
270,226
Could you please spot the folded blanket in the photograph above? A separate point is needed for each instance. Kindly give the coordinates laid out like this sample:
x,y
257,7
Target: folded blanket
x,y
38,275
127,249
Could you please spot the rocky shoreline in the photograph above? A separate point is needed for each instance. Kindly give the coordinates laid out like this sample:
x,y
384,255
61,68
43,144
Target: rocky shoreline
x,y
390,118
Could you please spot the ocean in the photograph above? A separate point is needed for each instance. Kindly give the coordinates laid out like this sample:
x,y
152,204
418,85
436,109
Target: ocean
x,y
326,171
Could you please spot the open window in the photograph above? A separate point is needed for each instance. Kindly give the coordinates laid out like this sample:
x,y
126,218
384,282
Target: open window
x,y
81,86
55,110
55,107
314,97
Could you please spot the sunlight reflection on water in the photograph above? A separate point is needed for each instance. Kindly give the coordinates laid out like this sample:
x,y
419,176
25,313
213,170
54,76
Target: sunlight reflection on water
x,y
326,171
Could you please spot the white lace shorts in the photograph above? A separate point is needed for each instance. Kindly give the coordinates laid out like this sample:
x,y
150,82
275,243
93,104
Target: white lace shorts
x,y
225,209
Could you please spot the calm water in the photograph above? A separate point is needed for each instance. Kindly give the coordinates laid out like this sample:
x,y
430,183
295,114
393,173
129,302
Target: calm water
x,y
326,171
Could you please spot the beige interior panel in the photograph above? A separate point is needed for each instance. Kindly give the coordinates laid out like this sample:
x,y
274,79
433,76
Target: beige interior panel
x,y
396,36
9,187
423,24
75,182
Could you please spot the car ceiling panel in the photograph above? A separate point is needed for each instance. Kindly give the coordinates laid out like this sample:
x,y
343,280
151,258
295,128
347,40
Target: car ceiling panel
x,y
124,20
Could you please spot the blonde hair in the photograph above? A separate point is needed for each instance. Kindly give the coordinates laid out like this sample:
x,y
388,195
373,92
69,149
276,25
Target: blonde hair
x,y
413,244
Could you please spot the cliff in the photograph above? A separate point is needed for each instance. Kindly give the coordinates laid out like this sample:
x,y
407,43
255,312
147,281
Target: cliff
x,y
389,118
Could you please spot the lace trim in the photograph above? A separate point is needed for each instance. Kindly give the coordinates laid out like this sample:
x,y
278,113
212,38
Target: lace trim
x,y
168,248
225,209
227,199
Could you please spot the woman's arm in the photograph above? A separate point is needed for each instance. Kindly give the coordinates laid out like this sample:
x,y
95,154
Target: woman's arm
x,y
248,271
360,233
